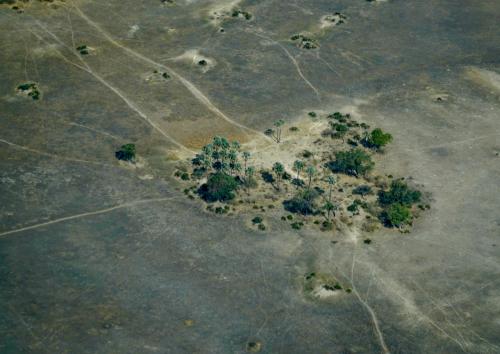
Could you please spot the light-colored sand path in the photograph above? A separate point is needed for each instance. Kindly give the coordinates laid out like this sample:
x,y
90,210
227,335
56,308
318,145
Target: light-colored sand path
x,y
115,90
82,215
48,154
188,84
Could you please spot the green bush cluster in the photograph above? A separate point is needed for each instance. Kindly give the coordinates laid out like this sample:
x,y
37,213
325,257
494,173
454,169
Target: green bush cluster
x,y
126,152
352,162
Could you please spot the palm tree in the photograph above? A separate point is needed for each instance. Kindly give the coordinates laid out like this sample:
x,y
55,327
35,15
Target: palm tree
x,y
329,207
298,166
249,172
278,169
246,157
311,171
331,182
278,124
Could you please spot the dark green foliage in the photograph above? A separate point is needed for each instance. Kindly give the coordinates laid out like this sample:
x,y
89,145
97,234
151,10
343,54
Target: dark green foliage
x,y
377,139
240,13
257,220
261,227
185,176
293,129
396,215
297,225
302,203
367,241
353,208
31,89
304,42
83,49
307,154
353,162
267,176
269,132
202,62
219,187
312,114
362,190
399,192
126,152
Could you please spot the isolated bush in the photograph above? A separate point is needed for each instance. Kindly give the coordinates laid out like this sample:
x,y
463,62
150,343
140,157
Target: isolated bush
x,y
400,193
353,162
219,187
126,152
362,190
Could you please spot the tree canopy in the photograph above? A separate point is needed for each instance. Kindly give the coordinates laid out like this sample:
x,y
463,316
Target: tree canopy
x,y
353,162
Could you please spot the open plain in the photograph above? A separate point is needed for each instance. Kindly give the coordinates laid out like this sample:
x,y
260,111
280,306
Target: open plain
x,y
102,256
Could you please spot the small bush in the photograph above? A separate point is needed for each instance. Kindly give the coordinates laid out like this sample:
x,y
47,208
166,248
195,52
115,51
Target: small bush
x,y
362,190
126,152
257,220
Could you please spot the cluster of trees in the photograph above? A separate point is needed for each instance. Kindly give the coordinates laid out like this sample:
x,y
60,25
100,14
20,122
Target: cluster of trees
x,y
397,201
226,168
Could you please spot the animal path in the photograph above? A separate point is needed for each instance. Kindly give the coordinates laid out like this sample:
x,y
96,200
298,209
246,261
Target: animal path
x,y
25,148
189,85
293,60
370,310
99,78
90,213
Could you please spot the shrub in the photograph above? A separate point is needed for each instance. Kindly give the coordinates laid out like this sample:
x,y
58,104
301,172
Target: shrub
x,y
400,193
126,152
302,202
377,139
353,162
396,215
257,220
362,190
219,187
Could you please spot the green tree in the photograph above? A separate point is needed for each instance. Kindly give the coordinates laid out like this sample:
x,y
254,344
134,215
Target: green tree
x,y
330,208
302,203
126,153
246,157
278,170
377,139
278,124
311,172
399,193
298,166
396,215
219,187
353,162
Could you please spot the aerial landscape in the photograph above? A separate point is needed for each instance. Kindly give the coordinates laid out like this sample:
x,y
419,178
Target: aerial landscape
x,y
246,176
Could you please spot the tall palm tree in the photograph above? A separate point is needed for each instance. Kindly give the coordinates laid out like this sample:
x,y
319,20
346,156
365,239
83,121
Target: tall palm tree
x,y
278,169
278,124
298,166
311,171
246,157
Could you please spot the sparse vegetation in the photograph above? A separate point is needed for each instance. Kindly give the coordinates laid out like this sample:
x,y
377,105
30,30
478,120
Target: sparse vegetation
x,y
126,153
227,171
